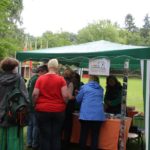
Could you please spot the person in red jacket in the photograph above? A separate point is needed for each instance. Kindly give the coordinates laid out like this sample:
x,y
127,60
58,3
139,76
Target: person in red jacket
x,y
50,95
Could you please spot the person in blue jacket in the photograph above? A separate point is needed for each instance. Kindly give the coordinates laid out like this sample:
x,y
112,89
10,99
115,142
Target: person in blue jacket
x,y
92,114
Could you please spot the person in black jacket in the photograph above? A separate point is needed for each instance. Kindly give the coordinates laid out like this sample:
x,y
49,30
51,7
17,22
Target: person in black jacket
x,y
113,95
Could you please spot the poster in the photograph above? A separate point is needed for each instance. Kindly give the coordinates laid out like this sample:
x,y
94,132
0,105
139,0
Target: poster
x,y
99,66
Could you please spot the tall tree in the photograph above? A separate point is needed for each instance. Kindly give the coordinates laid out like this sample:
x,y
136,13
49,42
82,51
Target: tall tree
x,y
145,31
10,11
129,23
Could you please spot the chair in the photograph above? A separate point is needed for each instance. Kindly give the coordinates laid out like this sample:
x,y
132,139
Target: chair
x,y
136,132
133,137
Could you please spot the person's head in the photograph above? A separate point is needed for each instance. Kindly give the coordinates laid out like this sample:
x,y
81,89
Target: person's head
x,y
9,64
53,65
42,70
68,73
76,76
112,80
94,78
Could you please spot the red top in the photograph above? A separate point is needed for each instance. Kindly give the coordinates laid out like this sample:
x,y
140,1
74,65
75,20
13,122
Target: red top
x,y
50,98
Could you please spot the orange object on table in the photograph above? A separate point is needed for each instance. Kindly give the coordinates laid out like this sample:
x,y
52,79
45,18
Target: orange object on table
x,y
109,133
132,113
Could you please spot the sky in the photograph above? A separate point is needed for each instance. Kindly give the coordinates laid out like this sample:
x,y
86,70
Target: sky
x,y
40,16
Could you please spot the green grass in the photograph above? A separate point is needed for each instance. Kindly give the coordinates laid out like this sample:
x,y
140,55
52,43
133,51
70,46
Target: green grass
x,y
134,91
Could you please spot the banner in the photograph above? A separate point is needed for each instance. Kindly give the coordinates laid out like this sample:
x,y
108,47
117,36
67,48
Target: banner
x,y
99,66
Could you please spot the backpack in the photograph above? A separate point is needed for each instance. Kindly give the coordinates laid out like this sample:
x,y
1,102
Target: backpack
x,y
16,111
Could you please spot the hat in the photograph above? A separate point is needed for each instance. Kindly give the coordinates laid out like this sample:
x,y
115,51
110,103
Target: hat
x,y
41,68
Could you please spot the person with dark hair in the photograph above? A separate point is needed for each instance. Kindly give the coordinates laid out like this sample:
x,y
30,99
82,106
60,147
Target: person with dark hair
x,y
11,134
68,122
77,84
113,95
90,96
77,81
32,129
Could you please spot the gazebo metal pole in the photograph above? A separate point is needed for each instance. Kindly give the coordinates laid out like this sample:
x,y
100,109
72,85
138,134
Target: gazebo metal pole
x,y
146,94
122,140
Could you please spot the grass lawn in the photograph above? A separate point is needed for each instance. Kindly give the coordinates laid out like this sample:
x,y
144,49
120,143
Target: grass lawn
x,y
134,91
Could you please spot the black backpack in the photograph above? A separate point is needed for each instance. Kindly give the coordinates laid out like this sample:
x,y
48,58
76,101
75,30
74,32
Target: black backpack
x,y
16,110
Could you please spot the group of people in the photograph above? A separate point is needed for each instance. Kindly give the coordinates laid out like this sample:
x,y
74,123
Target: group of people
x,y
52,100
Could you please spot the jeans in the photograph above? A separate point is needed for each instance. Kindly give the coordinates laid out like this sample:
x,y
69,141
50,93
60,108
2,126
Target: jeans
x,y
32,131
50,127
87,126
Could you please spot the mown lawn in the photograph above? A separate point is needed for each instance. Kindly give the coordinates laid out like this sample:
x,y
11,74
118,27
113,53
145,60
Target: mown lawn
x,y
134,92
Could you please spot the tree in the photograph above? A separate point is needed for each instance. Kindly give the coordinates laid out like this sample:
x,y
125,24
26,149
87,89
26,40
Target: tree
x,y
129,23
145,31
101,30
10,11
50,39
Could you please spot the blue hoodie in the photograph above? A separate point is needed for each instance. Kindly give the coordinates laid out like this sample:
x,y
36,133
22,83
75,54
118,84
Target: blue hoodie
x,y
90,97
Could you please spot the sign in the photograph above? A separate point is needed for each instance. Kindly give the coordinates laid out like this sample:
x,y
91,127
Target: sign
x,y
99,66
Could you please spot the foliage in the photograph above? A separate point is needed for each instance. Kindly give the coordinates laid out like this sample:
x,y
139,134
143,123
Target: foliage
x,y
145,31
50,39
101,30
10,35
12,38
129,23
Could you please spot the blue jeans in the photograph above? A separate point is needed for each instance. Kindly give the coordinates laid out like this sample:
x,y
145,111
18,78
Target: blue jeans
x,y
50,127
32,131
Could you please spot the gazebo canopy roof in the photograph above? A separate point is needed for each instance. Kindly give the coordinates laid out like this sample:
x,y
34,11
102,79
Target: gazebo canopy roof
x,y
80,54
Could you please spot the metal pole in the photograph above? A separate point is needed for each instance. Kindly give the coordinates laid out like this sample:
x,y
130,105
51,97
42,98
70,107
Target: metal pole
x,y
122,138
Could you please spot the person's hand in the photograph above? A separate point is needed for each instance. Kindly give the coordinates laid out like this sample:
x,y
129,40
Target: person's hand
x,y
70,97
76,92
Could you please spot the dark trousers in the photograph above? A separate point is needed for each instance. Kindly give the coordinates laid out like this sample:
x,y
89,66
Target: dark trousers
x,y
67,131
50,127
68,123
87,126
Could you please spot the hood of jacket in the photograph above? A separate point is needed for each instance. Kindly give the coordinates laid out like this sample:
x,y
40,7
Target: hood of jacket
x,y
94,85
7,78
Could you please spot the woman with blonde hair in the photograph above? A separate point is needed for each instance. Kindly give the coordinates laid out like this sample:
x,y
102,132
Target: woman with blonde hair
x,y
50,95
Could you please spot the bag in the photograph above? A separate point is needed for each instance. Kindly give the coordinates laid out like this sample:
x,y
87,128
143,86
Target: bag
x,y
17,107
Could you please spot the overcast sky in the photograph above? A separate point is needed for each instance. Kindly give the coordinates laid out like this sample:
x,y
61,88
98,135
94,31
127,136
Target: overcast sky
x,y
72,15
